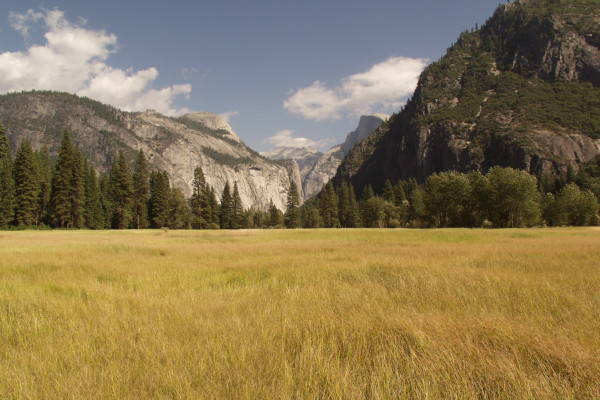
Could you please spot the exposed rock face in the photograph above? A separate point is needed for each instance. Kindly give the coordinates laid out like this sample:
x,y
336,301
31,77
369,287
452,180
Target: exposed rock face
x,y
316,168
322,171
305,157
366,125
522,92
176,145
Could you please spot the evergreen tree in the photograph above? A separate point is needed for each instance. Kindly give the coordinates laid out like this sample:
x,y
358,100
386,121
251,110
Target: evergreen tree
x,y
366,211
226,217
104,183
237,209
353,213
78,190
399,194
121,190
27,188
64,186
349,213
367,193
93,210
141,192
313,218
159,199
328,206
388,191
198,201
292,213
275,216
7,195
179,212
44,168
373,212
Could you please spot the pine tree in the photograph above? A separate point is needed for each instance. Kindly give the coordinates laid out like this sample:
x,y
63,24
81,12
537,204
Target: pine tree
x,y
93,210
179,212
352,215
313,219
343,198
237,209
44,168
198,200
7,195
104,184
159,199
226,218
78,190
399,194
274,215
27,186
292,213
141,192
388,191
121,184
62,187
328,206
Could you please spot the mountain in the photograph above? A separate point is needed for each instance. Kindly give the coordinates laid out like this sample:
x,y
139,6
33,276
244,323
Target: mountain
x,y
316,168
175,145
522,92
305,157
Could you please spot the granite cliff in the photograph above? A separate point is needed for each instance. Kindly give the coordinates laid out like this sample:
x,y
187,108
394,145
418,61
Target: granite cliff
x,y
316,168
523,92
176,145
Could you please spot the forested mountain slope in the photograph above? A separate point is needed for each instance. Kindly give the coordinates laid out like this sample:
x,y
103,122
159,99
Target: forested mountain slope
x,y
523,91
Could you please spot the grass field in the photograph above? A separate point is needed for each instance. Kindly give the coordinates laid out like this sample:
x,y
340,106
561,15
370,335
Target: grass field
x,y
306,314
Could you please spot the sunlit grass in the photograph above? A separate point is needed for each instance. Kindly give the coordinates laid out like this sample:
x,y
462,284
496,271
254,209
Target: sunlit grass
x,y
342,314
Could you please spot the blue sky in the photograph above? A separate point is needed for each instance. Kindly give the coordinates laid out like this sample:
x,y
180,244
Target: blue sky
x,y
283,72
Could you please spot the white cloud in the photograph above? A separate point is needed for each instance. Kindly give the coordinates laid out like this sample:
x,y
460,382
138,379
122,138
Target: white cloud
x,y
228,115
73,59
380,89
286,138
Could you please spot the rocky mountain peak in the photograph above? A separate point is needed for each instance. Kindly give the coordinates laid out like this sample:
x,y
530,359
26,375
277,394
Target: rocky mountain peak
x,y
212,121
366,125
316,168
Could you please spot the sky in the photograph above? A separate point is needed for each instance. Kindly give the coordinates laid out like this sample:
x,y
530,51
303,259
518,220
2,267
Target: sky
x,y
283,73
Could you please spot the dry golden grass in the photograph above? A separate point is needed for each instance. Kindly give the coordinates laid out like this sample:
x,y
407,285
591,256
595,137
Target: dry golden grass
x,y
325,314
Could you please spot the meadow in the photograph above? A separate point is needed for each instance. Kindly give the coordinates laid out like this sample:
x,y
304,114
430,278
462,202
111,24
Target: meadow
x,y
300,314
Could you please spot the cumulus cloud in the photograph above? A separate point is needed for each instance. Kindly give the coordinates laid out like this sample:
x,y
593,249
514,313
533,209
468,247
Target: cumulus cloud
x,y
73,59
380,89
286,138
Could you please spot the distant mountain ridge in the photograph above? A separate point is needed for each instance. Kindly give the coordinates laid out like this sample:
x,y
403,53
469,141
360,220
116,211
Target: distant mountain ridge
x,y
523,92
175,145
316,168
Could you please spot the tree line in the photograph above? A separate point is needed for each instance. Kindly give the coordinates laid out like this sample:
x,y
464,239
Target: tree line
x,y
69,193
502,198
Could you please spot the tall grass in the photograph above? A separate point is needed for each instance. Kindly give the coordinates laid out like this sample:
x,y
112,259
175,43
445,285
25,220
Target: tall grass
x,y
327,314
